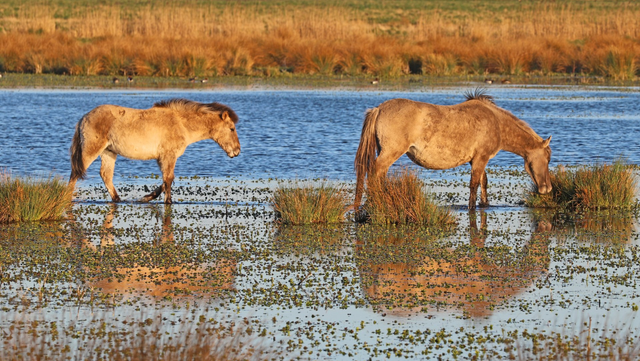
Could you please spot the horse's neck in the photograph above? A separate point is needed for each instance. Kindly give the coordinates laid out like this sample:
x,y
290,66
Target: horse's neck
x,y
198,128
516,138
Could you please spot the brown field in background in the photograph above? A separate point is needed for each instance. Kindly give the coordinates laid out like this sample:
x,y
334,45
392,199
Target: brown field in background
x,y
206,40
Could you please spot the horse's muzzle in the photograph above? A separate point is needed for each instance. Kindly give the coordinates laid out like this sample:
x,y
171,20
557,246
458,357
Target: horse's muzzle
x,y
544,189
233,153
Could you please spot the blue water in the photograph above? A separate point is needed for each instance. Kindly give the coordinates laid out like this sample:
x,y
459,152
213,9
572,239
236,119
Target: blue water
x,y
309,134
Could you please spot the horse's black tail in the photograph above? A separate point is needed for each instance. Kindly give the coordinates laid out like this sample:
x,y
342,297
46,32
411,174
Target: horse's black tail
x,y
366,154
78,170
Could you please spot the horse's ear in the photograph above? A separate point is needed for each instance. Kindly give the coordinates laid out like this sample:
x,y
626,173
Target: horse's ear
x,y
545,143
224,115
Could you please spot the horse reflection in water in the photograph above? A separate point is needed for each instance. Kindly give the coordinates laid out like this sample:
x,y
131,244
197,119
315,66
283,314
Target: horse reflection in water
x,y
473,282
159,281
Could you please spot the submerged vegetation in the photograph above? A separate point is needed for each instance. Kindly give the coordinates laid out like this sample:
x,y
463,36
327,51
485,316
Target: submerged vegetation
x,y
597,186
400,198
32,199
268,39
308,204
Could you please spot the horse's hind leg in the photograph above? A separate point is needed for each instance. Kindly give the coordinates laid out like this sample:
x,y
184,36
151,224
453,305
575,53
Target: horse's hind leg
x,y
106,172
385,160
153,195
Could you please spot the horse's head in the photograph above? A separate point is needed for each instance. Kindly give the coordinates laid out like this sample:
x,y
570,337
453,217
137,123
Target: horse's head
x,y
224,133
536,163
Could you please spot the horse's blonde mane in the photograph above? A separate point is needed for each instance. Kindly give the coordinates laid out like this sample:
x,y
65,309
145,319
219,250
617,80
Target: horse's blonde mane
x,y
190,105
481,95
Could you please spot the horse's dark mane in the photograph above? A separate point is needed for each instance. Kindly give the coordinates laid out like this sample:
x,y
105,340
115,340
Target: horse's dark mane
x,y
190,105
479,94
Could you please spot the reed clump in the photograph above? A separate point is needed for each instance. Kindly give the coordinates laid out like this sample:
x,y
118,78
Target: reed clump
x,y
598,186
309,204
400,199
31,199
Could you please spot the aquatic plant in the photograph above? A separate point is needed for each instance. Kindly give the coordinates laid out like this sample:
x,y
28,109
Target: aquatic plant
x,y
145,338
597,186
308,204
587,343
32,199
400,198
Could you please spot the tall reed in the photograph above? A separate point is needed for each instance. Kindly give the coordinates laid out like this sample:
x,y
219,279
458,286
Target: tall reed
x,y
178,38
306,205
400,198
31,199
597,186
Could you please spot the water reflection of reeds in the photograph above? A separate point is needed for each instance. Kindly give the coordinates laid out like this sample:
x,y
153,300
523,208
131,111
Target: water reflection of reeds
x,y
608,226
404,271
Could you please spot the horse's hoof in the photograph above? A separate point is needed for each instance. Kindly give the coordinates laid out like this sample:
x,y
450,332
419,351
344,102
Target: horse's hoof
x,y
483,204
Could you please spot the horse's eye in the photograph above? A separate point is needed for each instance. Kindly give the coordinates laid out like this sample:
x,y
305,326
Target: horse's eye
x,y
232,129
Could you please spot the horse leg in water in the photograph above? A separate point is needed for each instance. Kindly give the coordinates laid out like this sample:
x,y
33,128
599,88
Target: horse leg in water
x,y
106,172
167,164
484,201
477,174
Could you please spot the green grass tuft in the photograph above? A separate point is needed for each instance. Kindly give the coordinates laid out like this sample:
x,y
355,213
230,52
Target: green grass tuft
x,y
400,199
307,205
599,186
30,199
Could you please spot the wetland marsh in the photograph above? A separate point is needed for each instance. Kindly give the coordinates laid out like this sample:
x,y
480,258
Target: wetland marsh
x,y
507,280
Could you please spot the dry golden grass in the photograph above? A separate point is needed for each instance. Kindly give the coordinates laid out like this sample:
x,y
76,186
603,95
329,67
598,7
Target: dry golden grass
x,y
29,199
598,186
183,39
400,199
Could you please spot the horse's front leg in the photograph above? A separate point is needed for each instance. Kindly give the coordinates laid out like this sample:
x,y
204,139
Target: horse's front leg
x,y
167,165
477,175
484,199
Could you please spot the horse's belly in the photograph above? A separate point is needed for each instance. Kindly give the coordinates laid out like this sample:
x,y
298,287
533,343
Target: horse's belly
x,y
438,158
135,151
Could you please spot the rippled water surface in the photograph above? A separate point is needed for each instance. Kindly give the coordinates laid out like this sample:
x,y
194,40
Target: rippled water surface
x,y
309,134
501,282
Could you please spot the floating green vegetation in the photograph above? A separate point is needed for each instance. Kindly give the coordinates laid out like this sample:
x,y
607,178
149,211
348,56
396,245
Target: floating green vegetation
x,y
32,199
400,199
308,204
598,186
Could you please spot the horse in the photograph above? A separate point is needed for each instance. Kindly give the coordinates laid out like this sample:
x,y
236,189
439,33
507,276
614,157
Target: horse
x,y
444,137
161,132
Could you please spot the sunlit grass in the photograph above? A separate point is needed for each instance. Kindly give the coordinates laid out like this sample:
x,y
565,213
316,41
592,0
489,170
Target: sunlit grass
x,y
400,198
309,204
32,199
598,186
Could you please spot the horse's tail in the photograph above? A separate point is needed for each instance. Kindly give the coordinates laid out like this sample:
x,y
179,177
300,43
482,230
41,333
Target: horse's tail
x,y
78,170
366,155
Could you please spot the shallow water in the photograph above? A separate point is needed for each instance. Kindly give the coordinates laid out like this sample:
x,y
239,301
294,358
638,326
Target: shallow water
x,y
310,134
338,292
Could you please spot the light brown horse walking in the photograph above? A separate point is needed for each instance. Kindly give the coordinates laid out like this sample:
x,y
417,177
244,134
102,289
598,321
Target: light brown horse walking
x,y
443,137
162,132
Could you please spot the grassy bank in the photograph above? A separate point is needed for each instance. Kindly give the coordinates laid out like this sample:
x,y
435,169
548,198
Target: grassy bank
x,y
30,199
267,39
